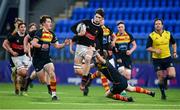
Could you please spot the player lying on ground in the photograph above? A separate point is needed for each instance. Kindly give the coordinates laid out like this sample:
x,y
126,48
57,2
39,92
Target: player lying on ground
x,y
119,82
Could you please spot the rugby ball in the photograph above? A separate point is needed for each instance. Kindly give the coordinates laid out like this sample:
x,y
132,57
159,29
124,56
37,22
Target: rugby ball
x,y
81,27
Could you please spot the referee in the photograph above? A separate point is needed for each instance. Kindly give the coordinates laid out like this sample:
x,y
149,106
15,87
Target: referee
x,y
158,44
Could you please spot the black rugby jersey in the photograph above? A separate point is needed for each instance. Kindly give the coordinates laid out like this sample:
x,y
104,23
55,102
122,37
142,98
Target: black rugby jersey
x,y
44,38
93,35
16,43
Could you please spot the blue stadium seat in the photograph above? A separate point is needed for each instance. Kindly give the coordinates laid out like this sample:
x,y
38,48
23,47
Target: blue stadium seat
x,y
170,3
177,27
162,3
177,35
134,55
150,4
139,42
177,3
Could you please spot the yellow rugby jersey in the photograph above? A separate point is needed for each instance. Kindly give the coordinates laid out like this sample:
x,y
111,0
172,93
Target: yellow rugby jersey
x,y
46,37
162,42
123,41
107,34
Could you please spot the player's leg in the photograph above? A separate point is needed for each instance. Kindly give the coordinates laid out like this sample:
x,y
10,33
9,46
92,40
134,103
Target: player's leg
x,y
21,71
140,90
114,93
105,82
86,77
127,63
158,67
127,73
95,75
41,76
171,72
121,69
48,83
14,79
160,76
88,58
44,78
78,68
49,68
28,80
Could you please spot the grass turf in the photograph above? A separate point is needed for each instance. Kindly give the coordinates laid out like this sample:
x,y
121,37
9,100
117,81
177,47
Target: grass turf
x,y
71,98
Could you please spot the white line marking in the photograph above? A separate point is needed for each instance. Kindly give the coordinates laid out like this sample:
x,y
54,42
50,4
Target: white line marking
x,y
129,104
87,109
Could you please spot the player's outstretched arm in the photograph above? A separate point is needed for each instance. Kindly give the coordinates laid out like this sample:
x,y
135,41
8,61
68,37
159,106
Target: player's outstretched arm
x,y
59,46
71,43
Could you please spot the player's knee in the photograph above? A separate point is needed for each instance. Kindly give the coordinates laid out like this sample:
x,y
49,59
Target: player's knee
x,y
130,88
88,59
22,72
52,75
172,74
42,81
78,69
121,69
128,74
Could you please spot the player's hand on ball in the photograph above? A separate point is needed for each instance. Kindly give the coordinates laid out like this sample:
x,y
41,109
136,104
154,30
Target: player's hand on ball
x,y
81,29
82,33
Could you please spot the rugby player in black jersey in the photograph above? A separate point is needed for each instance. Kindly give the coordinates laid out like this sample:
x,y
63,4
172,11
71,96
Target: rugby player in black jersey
x,y
90,37
6,46
19,58
119,81
41,43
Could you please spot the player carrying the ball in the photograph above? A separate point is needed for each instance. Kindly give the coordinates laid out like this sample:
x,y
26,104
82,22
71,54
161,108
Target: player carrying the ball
x,y
89,35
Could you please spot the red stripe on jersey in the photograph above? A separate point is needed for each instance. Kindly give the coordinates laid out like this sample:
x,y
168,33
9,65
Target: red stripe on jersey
x,y
90,36
17,46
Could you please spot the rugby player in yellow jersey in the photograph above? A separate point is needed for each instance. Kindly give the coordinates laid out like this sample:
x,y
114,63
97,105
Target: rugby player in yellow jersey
x,y
158,44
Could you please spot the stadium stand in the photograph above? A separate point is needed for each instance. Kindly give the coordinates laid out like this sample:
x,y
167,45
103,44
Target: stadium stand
x,y
137,14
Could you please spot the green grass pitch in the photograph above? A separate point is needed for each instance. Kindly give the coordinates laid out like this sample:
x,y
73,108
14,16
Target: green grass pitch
x,y
71,98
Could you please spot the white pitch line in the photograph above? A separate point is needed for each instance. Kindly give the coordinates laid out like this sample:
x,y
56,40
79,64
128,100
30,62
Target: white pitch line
x,y
129,104
88,109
